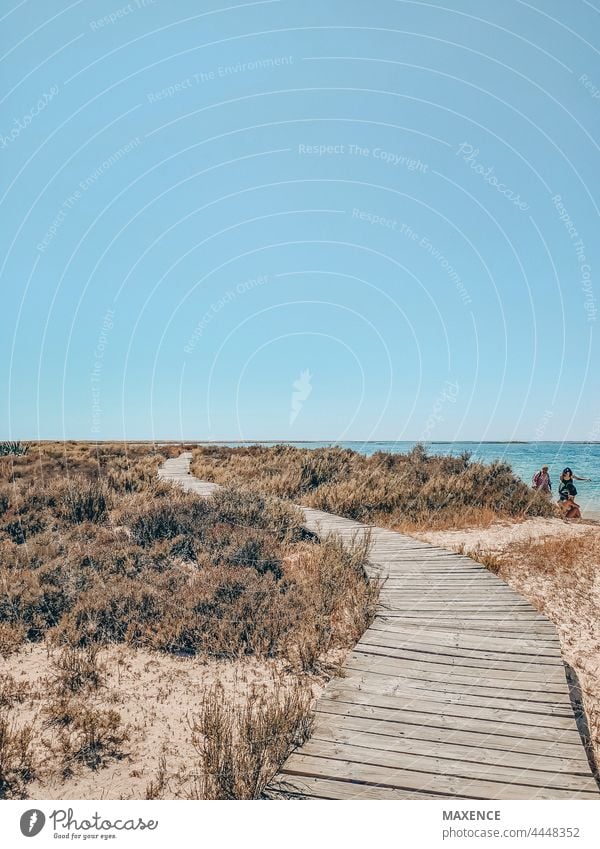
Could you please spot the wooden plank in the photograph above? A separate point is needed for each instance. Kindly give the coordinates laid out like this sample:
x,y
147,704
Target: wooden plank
x,y
543,647
390,677
436,704
396,756
492,652
309,787
449,785
479,742
529,628
441,666
417,692
385,665
422,725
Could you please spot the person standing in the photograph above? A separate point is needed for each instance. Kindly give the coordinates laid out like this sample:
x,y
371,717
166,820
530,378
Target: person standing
x,y
541,481
574,477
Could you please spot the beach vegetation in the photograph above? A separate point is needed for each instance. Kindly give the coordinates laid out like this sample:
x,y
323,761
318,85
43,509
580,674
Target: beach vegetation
x,y
408,491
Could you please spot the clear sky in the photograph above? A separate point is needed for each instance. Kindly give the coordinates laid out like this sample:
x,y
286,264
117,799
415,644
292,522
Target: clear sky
x,y
298,219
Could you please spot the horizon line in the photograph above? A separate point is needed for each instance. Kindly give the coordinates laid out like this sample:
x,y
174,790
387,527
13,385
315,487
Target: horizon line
x,y
182,440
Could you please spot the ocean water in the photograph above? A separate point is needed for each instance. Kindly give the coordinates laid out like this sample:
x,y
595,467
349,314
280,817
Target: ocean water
x,y
525,458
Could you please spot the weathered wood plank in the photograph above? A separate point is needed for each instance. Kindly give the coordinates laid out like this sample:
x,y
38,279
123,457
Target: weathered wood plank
x,y
449,653
309,787
438,761
479,743
463,786
386,667
542,647
415,691
441,667
456,715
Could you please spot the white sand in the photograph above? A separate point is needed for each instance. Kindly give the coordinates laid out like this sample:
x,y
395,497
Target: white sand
x,y
499,536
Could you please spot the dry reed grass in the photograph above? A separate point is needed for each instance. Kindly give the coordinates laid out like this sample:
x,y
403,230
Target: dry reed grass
x,y
95,551
17,767
402,491
93,737
86,564
241,746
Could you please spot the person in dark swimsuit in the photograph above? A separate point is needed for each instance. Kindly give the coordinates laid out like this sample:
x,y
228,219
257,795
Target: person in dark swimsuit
x,y
566,494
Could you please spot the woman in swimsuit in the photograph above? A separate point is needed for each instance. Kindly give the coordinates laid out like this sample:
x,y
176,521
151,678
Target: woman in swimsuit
x,y
567,493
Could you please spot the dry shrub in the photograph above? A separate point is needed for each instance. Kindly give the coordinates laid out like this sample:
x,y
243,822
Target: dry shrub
x,y
76,669
12,635
226,614
4,499
336,601
16,758
408,491
156,786
92,738
123,467
32,602
239,507
489,559
120,559
241,747
560,555
59,710
83,501
11,691
120,610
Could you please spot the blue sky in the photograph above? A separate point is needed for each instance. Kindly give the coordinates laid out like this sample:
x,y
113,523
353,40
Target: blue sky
x,y
299,220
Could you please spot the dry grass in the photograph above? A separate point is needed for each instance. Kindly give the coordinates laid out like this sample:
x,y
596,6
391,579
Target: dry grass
x,y
336,601
17,766
89,560
12,692
402,491
92,737
77,669
95,553
242,746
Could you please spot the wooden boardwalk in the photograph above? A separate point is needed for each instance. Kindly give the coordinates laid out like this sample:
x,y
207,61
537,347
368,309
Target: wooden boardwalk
x,y
457,690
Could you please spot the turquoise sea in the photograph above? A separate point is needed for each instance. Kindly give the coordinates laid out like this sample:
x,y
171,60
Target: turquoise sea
x,y
525,458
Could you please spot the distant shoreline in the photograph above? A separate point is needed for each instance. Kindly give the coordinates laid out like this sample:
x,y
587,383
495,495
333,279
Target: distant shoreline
x,y
314,441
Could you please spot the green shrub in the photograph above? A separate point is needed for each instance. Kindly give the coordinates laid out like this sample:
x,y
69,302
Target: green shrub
x,y
12,448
